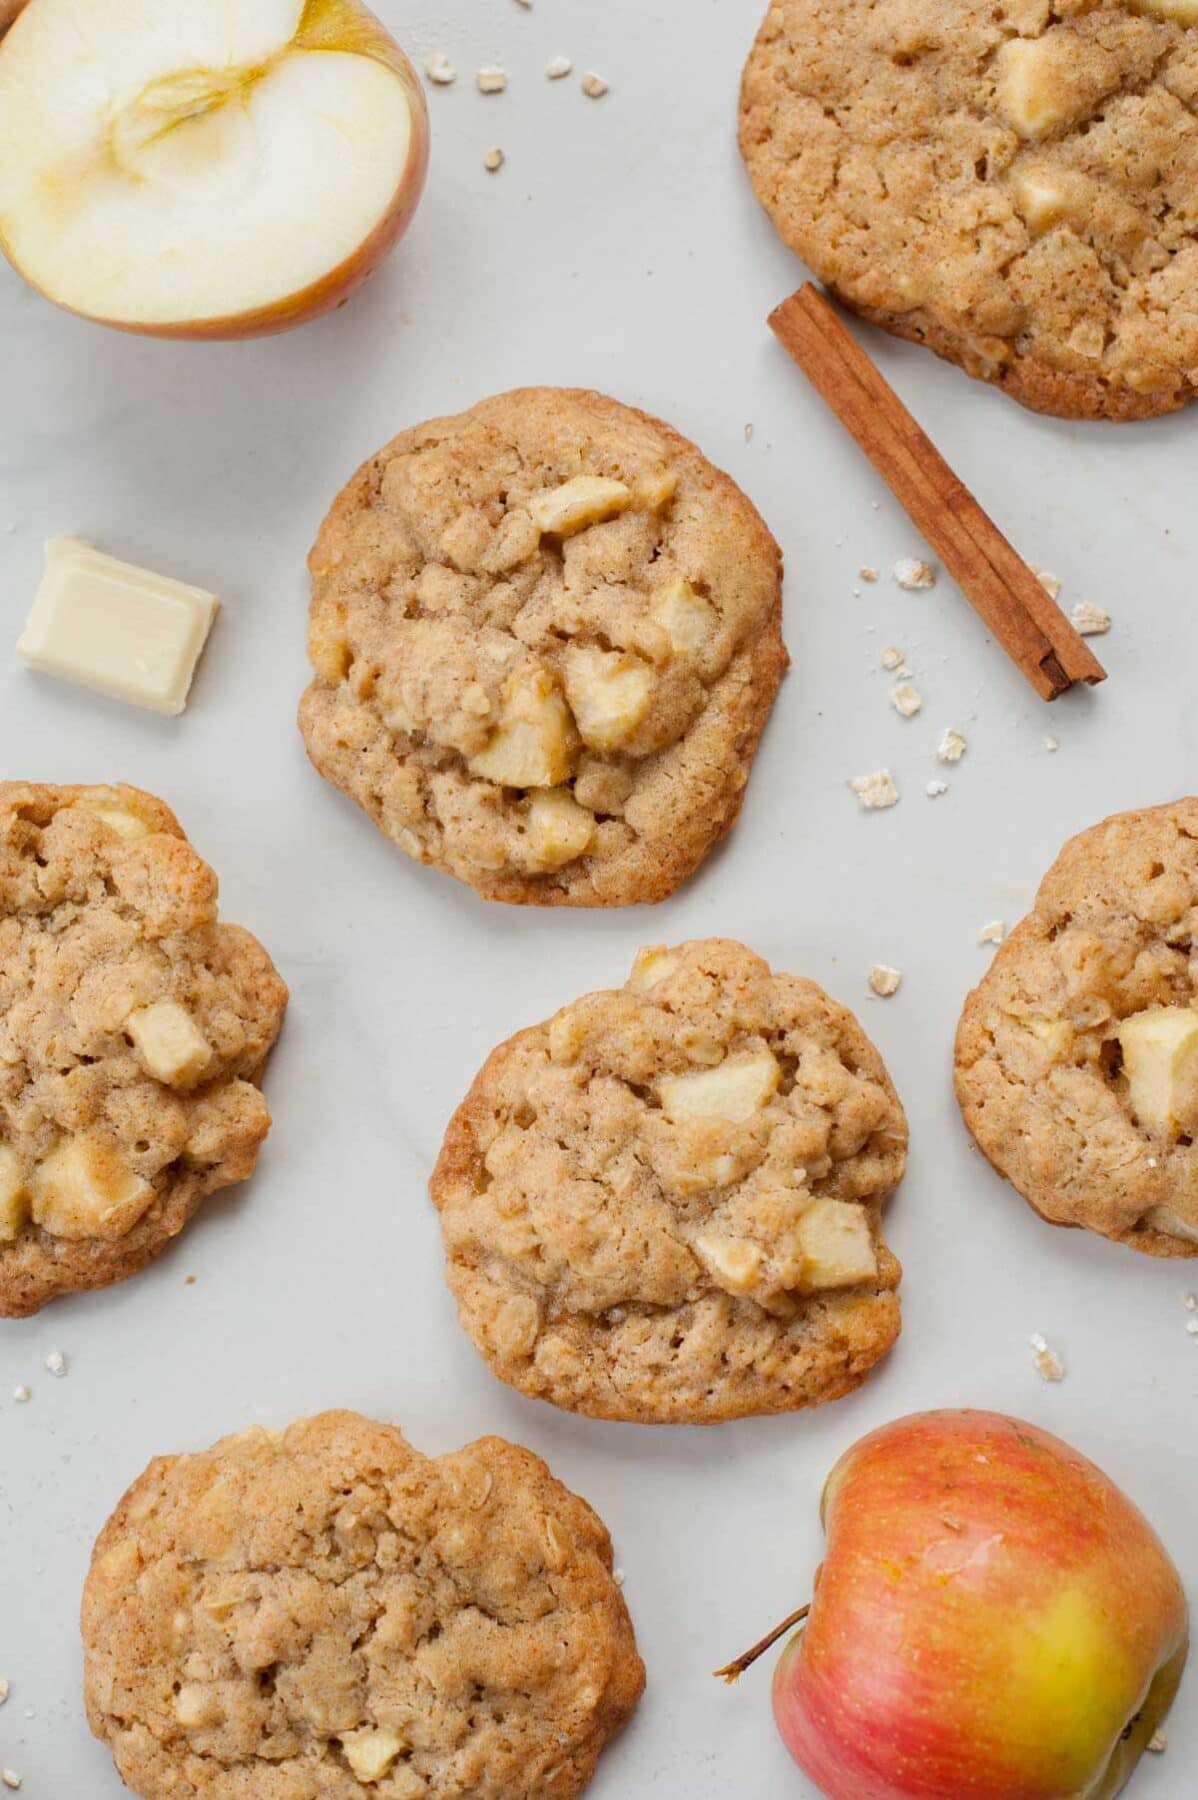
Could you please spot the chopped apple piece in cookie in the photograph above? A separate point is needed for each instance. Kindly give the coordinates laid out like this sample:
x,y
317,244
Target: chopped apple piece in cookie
x,y
559,830
14,1194
172,1048
371,1753
1163,1218
531,748
1041,200
1160,1059
686,618
585,500
652,965
837,1245
84,1190
1030,88
609,694
735,1090
735,1263
118,819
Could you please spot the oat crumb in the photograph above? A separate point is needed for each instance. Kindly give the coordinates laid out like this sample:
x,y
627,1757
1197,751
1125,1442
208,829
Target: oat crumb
x,y
494,160
1158,1743
1052,744
558,67
934,789
21,1394
914,575
994,933
749,433
440,70
3,1691
884,980
893,657
10,1778
867,572
491,81
617,1576
1048,1364
951,747
1089,620
875,791
56,1362
906,699
594,86
1192,1327
1048,581
1191,1302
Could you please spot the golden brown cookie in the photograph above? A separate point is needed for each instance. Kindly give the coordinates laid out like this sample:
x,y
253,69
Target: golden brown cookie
x,y
663,1205
1011,184
1077,1055
546,636
325,1614
133,1030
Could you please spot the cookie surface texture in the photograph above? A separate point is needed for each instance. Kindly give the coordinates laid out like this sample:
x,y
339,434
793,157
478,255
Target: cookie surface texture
x,y
1009,184
1077,1054
546,636
325,1614
133,1031
663,1205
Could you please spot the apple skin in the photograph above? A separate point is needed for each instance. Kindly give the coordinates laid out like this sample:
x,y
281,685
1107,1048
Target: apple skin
x,y
327,24
992,1616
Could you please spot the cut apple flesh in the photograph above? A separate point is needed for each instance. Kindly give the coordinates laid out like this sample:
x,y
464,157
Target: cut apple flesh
x,y
199,168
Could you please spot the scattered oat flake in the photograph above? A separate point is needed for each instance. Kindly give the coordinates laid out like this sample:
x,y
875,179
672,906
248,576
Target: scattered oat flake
x,y
994,933
867,572
439,69
893,657
558,67
1048,1364
594,86
491,81
493,160
56,1362
1048,581
875,791
951,747
1052,744
749,433
906,699
914,575
1192,1327
21,1394
1089,620
934,789
1191,1302
884,980
3,1691
10,1778
1158,1743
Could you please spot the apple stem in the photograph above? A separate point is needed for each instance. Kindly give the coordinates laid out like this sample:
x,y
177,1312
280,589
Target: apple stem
x,y
734,1670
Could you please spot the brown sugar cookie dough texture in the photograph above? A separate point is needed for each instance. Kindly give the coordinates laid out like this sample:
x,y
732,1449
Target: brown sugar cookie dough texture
x,y
133,1030
1077,1055
325,1614
663,1205
1012,184
546,636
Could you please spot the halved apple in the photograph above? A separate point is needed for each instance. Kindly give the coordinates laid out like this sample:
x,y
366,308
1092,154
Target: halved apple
x,y
191,168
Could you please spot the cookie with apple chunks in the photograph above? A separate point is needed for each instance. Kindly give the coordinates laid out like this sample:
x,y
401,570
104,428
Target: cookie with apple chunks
x,y
325,1612
134,1027
1077,1054
663,1204
546,637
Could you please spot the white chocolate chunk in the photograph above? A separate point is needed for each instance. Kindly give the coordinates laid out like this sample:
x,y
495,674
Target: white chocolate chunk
x,y
1029,87
84,1190
735,1090
585,500
559,830
836,1244
1160,1060
14,1195
609,693
687,619
1042,203
653,964
370,1753
531,747
734,1263
172,1047
117,629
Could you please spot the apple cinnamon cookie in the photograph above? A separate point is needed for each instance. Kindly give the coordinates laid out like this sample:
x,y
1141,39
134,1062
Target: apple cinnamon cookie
x,y
546,636
663,1205
1011,184
1077,1055
133,1030
325,1612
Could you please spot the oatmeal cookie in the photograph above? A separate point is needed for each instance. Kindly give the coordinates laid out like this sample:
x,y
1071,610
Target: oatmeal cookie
x,y
1011,184
546,636
664,1204
1077,1055
325,1614
133,1029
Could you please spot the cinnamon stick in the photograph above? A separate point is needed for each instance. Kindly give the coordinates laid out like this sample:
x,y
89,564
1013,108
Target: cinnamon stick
x,y
994,578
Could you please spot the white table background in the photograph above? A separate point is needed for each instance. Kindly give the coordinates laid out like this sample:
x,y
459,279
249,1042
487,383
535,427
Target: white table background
x,y
619,247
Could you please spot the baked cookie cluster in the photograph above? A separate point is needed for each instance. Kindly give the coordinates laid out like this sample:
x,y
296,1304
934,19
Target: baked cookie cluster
x,y
324,1611
546,635
664,1203
1077,1056
133,1029
1011,184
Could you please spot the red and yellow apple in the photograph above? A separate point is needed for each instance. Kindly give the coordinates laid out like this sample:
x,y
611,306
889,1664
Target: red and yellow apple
x,y
994,1620
196,168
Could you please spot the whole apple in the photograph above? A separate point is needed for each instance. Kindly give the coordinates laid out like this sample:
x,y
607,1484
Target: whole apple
x,y
994,1620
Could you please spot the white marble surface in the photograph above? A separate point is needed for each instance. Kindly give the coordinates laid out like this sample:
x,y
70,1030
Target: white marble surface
x,y
619,247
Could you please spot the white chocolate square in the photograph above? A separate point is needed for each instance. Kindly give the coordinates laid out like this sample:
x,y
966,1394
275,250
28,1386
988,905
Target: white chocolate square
x,y
117,629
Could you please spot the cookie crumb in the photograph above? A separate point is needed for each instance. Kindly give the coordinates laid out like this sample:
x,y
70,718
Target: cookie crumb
x,y
21,1394
1192,1327
993,933
1048,581
1158,1743
951,747
56,1362
558,67
189,1281
906,699
594,86
494,160
1089,620
884,980
913,575
867,572
1048,1364
1191,1302
10,1778
617,1576
3,1690
934,789
875,791
440,70
491,81
893,657
1052,744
